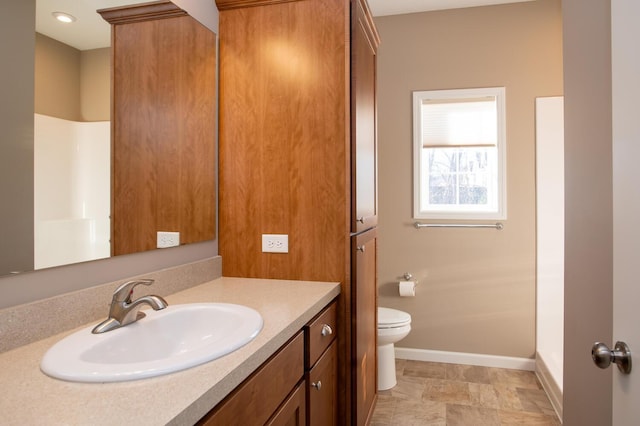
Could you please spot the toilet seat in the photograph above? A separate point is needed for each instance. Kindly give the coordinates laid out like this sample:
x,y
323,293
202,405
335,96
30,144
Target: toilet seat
x,y
392,318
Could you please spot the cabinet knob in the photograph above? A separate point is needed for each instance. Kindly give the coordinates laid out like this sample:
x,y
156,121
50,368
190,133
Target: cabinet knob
x,y
326,330
360,219
360,249
317,385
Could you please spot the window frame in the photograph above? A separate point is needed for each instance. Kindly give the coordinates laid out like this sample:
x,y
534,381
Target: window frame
x,y
501,146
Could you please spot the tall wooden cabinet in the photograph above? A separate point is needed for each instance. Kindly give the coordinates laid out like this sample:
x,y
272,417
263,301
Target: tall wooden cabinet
x,y
297,148
364,216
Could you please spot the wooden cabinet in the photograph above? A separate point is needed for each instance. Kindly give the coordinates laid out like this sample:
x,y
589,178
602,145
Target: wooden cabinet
x,y
163,126
364,218
296,386
364,149
298,152
322,383
258,397
321,364
293,410
365,329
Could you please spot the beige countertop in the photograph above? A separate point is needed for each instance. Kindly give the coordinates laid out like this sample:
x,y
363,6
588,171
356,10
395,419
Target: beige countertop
x,y
182,398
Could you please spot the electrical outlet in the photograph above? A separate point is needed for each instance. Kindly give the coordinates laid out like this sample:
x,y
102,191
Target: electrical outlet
x,y
275,243
168,239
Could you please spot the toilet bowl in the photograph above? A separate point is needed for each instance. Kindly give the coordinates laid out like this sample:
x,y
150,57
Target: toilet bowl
x,y
393,326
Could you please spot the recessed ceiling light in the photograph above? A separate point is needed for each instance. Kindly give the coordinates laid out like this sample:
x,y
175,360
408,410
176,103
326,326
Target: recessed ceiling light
x,y
64,17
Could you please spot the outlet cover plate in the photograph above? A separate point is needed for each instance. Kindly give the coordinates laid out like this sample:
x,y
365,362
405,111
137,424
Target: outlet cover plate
x,y
275,243
168,239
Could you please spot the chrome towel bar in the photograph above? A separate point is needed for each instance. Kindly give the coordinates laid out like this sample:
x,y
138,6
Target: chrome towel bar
x,y
498,225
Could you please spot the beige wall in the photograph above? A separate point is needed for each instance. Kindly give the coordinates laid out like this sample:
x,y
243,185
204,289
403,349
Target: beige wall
x,y
57,77
71,84
476,291
95,84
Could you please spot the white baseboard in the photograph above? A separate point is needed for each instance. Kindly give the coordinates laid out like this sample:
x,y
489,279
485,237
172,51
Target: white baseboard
x,y
549,384
512,363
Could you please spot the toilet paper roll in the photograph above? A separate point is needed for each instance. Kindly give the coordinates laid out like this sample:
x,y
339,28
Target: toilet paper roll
x,y
407,288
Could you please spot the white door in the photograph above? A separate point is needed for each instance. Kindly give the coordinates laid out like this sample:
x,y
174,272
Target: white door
x,y
626,203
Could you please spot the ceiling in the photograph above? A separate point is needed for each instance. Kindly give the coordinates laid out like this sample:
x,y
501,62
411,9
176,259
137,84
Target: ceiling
x,y
399,7
90,31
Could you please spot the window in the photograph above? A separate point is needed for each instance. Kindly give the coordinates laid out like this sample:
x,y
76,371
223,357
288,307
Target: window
x,y
459,154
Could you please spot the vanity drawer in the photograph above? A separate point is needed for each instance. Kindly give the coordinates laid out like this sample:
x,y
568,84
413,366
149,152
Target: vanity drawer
x,y
320,331
258,397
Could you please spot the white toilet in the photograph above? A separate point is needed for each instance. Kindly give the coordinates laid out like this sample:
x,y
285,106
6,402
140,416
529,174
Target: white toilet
x,y
393,326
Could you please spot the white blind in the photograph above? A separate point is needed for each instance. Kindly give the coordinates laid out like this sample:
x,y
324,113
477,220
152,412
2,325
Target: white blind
x,y
459,122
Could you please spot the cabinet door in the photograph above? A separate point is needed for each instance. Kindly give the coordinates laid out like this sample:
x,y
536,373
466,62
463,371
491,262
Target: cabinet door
x,y
364,325
363,120
322,382
258,398
292,411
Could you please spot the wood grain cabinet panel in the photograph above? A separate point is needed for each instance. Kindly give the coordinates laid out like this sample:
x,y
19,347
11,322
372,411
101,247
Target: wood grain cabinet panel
x,y
365,326
293,411
364,147
258,398
320,332
321,365
322,383
234,4
163,127
298,151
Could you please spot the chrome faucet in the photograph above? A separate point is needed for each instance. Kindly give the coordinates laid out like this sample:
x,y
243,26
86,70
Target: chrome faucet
x,y
124,311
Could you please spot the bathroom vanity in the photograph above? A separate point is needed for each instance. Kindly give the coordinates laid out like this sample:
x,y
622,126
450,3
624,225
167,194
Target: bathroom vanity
x,y
281,369
297,385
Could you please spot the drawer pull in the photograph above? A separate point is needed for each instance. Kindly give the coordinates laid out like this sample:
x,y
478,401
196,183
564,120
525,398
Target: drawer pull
x,y
317,385
326,330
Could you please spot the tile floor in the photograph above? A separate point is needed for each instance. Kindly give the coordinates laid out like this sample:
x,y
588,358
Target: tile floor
x,y
431,393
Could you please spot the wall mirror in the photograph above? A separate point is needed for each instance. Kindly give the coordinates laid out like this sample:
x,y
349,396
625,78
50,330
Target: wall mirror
x,y
56,190
459,154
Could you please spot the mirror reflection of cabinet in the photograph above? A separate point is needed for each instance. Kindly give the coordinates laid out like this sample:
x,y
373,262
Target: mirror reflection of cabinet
x,y
163,126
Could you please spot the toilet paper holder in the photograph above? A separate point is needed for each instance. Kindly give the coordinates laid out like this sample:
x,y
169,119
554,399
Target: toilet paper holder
x,y
407,288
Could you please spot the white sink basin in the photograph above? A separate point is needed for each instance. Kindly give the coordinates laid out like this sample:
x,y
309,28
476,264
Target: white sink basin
x,y
165,341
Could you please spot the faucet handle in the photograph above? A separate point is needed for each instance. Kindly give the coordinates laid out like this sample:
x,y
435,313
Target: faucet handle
x,y
124,292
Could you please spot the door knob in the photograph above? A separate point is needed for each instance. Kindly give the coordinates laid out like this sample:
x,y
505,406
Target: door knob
x,y
603,356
